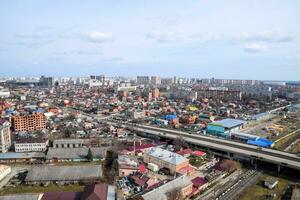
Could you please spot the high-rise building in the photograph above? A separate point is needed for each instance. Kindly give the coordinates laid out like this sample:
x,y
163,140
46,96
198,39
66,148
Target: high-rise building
x,y
155,80
155,93
143,80
46,81
167,81
33,122
5,139
101,78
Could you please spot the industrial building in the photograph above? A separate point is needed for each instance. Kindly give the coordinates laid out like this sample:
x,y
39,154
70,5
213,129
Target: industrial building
x,y
28,157
166,159
75,154
31,144
223,128
68,143
63,174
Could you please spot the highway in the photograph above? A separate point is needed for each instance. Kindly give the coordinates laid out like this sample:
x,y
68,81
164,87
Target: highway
x,y
268,155
237,148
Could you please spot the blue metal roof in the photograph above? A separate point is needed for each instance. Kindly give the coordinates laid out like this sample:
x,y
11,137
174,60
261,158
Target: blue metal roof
x,y
261,142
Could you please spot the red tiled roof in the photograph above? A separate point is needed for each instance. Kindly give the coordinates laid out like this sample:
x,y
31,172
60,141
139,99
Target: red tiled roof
x,y
185,151
199,153
140,146
199,181
142,168
153,186
61,196
140,179
95,192
187,169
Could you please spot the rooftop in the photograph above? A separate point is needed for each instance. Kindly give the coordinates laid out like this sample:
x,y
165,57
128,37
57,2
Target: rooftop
x,y
63,173
68,141
229,123
161,192
166,155
75,153
11,155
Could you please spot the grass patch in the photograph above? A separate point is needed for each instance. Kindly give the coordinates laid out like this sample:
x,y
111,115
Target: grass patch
x,y
196,161
39,189
258,191
77,163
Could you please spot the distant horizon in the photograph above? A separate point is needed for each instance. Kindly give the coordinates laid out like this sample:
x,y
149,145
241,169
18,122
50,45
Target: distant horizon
x,y
134,76
253,40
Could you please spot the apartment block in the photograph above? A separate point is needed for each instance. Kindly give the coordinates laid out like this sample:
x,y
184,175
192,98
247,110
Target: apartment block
x,y
36,121
5,138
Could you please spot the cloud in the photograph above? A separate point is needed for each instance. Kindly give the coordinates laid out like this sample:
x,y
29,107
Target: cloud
x,y
267,36
87,52
33,35
254,48
34,39
99,37
113,59
164,37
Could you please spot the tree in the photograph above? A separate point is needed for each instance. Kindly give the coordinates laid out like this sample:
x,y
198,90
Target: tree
x,y
180,143
175,194
90,156
111,166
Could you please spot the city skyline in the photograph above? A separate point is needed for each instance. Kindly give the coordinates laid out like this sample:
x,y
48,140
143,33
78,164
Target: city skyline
x,y
237,40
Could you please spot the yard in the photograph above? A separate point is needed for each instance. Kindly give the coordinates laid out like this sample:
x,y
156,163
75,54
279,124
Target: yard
x,y
258,191
196,161
37,189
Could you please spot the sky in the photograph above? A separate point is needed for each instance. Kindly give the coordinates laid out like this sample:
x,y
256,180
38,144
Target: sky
x,y
233,39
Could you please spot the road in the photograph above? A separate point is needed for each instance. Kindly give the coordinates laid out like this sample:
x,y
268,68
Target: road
x,y
237,148
268,155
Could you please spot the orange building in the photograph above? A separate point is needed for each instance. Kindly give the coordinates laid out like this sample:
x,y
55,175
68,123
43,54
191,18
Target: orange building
x,y
36,121
155,93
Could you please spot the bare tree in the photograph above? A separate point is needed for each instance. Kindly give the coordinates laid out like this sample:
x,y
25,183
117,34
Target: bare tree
x,y
180,143
175,194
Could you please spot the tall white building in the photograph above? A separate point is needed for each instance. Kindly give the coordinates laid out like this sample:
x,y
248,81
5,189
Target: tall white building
x,y
5,138
155,80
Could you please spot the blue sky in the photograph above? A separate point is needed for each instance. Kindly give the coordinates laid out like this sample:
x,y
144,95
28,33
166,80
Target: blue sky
x,y
251,39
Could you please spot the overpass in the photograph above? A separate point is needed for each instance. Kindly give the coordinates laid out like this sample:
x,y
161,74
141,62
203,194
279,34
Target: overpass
x,y
279,158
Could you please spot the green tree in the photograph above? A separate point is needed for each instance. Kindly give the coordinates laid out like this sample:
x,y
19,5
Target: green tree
x,y
90,156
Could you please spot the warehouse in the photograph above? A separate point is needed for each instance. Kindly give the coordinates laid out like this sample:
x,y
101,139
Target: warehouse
x,y
29,157
74,154
63,174
224,127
